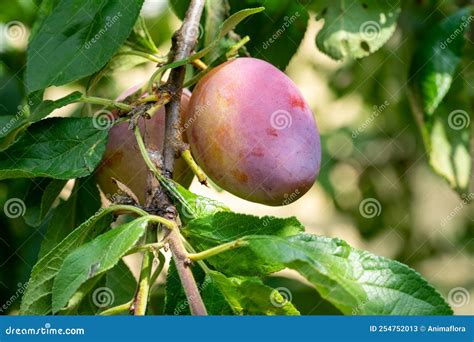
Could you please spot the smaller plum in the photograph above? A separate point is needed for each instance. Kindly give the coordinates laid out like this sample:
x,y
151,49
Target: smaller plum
x,y
122,159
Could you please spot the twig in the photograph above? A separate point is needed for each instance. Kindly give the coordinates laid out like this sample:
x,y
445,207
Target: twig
x,y
184,41
117,310
217,250
106,102
149,247
141,298
199,64
188,158
150,57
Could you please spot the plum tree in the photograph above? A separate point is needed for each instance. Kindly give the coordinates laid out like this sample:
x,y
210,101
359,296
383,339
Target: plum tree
x,y
253,133
122,159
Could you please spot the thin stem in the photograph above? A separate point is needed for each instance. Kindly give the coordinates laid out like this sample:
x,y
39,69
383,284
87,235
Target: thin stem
x,y
234,49
141,298
199,64
124,208
148,98
162,100
106,102
171,225
152,58
190,248
117,310
188,158
149,247
144,152
217,250
157,75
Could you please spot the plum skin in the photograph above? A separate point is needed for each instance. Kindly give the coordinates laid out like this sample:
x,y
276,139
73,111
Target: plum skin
x,y
122,159
252,132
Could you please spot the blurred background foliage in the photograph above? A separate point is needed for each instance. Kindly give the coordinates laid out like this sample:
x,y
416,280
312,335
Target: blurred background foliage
x,y
372,148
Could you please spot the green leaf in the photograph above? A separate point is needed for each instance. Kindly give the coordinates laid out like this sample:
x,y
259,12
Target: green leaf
x,y
355,28
190,205
121,283
249,296
226,296
449,138
10,93
228,25
12,127
48,106
94,258
44,10
276,34
93,297
80,37
40,198
82,302
213,230
35,110
83,202
354,281
445,129
60,148
436,60
37,298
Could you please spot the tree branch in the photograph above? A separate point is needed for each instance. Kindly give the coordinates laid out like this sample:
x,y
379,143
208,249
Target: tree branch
x,y
184,41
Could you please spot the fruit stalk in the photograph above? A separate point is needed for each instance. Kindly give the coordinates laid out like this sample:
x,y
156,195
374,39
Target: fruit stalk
x,y
184,41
